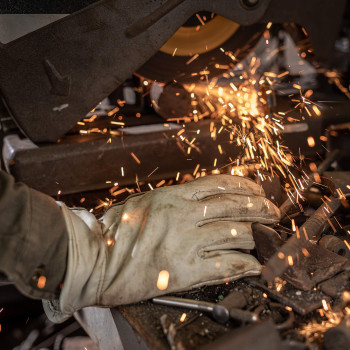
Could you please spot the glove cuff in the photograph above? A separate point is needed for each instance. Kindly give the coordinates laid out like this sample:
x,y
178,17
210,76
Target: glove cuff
x,y
85,266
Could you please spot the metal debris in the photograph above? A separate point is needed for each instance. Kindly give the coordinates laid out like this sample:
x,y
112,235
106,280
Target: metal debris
x,y
312,228
335,245
170,332
312,265
246,338
336,285
302,302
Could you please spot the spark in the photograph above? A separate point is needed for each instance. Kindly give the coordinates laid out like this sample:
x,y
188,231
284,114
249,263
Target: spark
x,y
324,304
152,172
196,169
293,225
113,111
192,58
117,123
163,280
41,282
311,141
110,242
233,232
136,159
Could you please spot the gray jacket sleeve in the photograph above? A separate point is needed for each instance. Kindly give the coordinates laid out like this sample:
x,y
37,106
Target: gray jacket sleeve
x,y
33,239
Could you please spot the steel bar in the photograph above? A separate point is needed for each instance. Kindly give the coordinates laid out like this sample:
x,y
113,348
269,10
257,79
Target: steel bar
x,y
220,312
185,303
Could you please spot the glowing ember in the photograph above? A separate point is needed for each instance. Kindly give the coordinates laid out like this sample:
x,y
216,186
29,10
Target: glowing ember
x,y
234,232
110,242
163,280
311,141
41,282
183,317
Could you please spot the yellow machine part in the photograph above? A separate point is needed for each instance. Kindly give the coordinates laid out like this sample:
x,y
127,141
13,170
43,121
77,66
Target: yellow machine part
x,y
188,41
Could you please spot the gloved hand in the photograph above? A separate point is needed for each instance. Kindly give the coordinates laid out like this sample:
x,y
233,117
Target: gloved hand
x,y
193,233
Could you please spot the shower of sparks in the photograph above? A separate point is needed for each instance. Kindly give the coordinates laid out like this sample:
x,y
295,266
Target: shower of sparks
x,y
314,330
240,103
245,113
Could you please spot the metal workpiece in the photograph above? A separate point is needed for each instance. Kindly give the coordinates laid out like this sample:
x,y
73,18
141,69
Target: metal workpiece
x,y
169,330
302,302
314,264
310,230
71,167
335,245
201,306
336,285
56,70
289,317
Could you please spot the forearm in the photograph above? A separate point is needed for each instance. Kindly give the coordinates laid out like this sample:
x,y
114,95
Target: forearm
x,y
33,239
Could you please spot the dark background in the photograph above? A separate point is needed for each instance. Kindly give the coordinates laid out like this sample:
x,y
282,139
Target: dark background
x,y
42,6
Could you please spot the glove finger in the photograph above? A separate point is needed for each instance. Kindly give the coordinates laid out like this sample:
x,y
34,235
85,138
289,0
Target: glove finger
x,y
237,208
224,235
226,267
213,185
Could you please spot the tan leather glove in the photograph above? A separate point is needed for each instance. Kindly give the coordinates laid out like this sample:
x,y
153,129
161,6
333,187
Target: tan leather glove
x,y
191,232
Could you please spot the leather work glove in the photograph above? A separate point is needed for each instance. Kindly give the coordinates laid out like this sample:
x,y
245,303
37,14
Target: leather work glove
x,y
167,240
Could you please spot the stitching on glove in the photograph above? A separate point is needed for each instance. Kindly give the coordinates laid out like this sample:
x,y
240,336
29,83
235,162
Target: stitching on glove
x,y
125,200
205,249
72,239
101,278
237,219
215,194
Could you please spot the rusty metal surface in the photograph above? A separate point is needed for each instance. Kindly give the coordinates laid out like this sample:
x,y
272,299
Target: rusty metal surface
x,y
336,285
73,167
335,245
145,319
311,266
302,302
310,230
262,336
140,327
63,70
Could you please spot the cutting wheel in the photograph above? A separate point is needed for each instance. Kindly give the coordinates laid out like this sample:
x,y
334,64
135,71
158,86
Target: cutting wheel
x,y
194,49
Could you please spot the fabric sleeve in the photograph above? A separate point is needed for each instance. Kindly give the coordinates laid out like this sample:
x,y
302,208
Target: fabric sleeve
x,y
33,239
